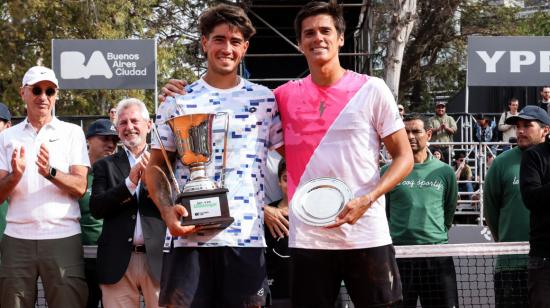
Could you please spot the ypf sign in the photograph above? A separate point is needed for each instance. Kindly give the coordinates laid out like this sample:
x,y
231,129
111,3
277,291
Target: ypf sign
x,y
104,64
508,60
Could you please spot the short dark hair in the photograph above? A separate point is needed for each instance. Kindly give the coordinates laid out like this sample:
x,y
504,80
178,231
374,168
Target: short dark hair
x,y
281,168
417,116
459,155
513,99
232,15
320,8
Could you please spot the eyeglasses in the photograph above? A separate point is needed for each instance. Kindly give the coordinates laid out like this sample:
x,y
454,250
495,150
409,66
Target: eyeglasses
x,y
37,91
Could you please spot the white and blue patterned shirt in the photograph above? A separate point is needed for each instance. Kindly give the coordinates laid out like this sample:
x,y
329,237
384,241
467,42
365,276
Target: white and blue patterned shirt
x,y
254,127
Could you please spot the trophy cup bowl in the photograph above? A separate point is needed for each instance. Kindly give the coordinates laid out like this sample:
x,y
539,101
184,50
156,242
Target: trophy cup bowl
x,y
205,201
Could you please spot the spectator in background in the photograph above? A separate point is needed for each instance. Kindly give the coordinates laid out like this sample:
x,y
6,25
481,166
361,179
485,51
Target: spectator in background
x,y
544,101
129,255
443,125
504,210
5,122
277,252
508,131
438,153
5,117
401,110
102,138
43,167
485,129
112,114
420,212
463,172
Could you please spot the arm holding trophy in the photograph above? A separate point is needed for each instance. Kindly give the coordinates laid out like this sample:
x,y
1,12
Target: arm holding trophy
x,y
160,191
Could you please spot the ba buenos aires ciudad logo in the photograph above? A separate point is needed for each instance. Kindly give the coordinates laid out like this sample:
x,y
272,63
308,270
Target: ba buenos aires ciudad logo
x,y
74,65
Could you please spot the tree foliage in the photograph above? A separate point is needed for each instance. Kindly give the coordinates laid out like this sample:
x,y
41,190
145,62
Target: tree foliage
x,y
29,26
434,62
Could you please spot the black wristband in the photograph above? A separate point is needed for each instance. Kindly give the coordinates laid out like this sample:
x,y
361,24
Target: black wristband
x,y
51,173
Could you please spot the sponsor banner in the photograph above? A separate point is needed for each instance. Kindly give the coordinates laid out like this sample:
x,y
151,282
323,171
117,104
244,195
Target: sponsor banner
x,y
104,64
508,60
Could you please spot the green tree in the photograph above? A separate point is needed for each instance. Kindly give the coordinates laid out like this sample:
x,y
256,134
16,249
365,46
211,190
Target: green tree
x,y
434,60
29,26
537,24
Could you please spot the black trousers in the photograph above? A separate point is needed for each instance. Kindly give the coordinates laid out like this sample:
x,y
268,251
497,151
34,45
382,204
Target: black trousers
x,y
94,292
538,282
433,280
511,289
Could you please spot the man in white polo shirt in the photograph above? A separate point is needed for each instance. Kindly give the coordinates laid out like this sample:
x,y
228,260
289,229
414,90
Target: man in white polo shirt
x,y
43,167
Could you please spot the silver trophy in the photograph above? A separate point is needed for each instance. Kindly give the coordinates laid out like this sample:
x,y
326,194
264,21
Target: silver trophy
x,y
204,200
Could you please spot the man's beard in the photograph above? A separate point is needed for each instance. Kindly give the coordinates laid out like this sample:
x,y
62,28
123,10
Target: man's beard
x,y
135,142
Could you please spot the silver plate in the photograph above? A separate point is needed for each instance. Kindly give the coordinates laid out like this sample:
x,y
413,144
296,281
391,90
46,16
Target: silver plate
x,y
319,201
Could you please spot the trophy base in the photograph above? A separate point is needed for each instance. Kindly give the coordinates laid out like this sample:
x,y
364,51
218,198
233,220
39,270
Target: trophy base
x,y
207,208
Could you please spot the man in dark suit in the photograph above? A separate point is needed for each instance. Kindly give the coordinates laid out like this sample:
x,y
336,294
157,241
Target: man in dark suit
x,y
129,253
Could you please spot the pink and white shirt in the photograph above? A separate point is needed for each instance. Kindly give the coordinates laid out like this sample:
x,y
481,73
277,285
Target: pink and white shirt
x,y
336,131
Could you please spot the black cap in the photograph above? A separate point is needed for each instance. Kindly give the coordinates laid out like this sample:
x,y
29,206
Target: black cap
x,y
101,127
531,113
4,112
482,116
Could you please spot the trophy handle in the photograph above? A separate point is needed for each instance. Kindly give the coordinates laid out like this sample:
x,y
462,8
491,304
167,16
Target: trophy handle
x,y
168,163
224,160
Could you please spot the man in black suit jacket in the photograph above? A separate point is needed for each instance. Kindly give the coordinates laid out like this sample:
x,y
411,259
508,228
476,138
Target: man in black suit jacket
x,y
129,253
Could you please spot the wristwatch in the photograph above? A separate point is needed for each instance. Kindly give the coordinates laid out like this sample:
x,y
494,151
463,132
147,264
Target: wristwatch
x,y
51,173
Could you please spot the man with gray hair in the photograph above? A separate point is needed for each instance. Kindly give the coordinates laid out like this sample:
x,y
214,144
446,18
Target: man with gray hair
x,y
130,246
43,167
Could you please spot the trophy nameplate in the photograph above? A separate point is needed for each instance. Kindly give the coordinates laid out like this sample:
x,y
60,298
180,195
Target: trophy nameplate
x,y
208,209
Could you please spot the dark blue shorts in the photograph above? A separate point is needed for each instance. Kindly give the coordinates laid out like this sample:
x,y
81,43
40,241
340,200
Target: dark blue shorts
x,y
205,277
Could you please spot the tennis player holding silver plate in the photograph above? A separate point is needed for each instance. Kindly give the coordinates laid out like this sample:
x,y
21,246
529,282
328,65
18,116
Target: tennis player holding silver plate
x,y
204,200
319,201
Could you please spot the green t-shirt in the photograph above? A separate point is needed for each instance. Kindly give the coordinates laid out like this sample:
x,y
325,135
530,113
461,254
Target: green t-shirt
x,y
442,135
3,212
91,227
503,208
422,206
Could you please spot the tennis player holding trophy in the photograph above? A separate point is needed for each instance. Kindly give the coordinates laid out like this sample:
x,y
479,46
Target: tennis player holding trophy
x,y
222,267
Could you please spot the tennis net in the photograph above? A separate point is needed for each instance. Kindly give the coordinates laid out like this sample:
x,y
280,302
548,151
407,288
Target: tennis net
x,y
485,273
476,275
